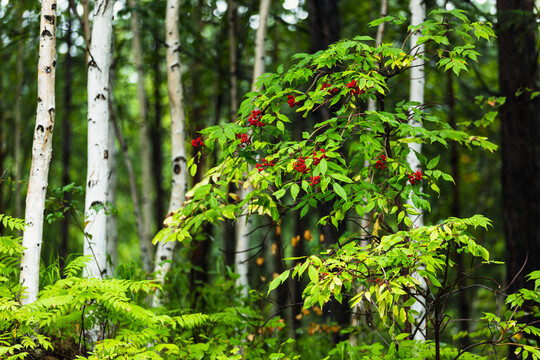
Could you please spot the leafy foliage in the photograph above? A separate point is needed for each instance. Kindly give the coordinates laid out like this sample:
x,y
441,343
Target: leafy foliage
x,y
356,161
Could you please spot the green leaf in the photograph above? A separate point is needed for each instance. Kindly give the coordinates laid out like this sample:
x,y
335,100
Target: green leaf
x,y
341,177
401,336
295,189
313,274
279,194
433,162
340,191
323,166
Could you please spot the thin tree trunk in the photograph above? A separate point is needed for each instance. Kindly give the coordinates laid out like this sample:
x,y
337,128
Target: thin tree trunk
x,y
232,18
156,138
112,226
260,42
144,139
66,134
117,134
364,222
418,11
463,300
165,250
97,183
372,105
243,226
2,144
41,153
87,31
17,148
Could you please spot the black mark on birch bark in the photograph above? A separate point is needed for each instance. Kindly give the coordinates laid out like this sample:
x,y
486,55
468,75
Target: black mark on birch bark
x,y
99,97
106,154
40,128
49,19
46,33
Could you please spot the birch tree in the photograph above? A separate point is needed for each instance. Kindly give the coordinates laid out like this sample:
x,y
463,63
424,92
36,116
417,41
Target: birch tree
x,y
144,140
165,249
41,153
243,226
97,181
418,14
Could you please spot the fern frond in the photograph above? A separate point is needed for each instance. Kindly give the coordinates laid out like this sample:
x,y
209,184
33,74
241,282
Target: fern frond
x,y
11,222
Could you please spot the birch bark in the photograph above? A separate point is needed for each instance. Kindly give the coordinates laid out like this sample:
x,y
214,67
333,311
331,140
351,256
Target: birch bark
x,y
165,250
144,140
97,182
41,153
243,226
418,13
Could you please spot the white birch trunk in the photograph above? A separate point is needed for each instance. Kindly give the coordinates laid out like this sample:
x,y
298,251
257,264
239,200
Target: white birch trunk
x,y
41,153
98,172
164,252
260,42
146,174
243,226
418,11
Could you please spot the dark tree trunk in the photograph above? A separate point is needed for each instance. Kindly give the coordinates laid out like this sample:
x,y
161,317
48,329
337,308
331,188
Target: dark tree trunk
x,y
324,30
323,23
156,136
66,134
520,134
2,142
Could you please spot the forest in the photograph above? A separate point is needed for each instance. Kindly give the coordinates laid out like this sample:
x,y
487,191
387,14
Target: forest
x,y
297,179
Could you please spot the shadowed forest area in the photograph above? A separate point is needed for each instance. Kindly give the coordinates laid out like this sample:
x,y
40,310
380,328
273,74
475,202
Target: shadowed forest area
x,y
298,179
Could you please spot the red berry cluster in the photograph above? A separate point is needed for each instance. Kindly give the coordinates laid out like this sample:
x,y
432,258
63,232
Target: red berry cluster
x,y
377,280
265,164
416,177
381,163
332,90
255,119
197,142
355,89
291,100
315,180
300,165
244,140
317,160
